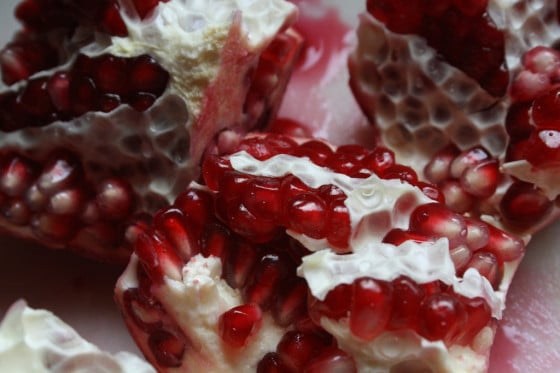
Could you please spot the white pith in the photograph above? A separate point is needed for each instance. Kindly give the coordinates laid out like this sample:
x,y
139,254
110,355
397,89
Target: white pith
x,y
36,341
157,151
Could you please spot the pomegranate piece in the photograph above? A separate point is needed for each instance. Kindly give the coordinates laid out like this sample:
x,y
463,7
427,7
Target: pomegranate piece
x,y
473,109
89,81
233,268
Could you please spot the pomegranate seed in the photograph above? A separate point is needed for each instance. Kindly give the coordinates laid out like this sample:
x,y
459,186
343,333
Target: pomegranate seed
x,y
144,7
114,199
239,265
271,363
66,202
505,246
109,75
478,234
61,171
288,127
545,110
487,265
170,223
158,257
167,348
335,305
518,122
216,241
291,303
296,349
523,205
20,60
306,214
111,21
400,172
16,175
437,169
460,256
457,199
144,311
263,199
266,279
482,179
370,308
196,205
35,98
544,148
338,226
318,152
407,297
15,211
442,317
479,316
59,91
331,360
468,158
239,324
542,60
54,228
398,236
379,160
434,221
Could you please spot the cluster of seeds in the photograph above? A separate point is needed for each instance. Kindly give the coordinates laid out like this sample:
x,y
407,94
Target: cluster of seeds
x,y
262,207
43,20
476,46
99,83
59,205
469,180
532,121
263,273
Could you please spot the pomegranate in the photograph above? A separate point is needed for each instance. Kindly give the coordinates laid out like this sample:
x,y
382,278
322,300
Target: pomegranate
x,y
472,110
108,106
49,344
294,255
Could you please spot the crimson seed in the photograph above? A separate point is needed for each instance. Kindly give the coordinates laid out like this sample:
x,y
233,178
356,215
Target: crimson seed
x,y
92,84
476,46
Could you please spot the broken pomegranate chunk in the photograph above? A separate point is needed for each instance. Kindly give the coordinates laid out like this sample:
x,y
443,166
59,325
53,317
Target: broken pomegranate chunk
x,y
253,274
475,46
92,80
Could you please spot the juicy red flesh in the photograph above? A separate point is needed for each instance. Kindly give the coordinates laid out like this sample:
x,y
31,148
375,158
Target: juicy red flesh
x,y
476,46
258,207
238,324
59,204
92,84
533,121
32,50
